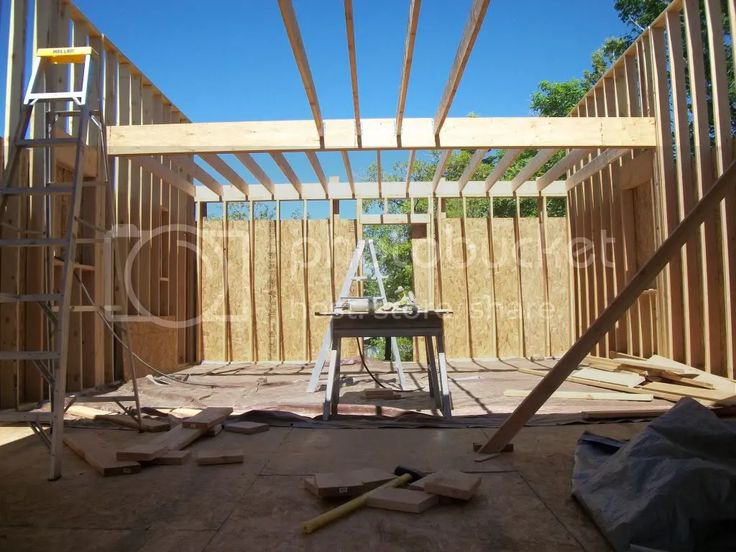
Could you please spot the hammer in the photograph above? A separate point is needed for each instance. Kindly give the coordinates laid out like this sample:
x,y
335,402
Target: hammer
x,y
403,475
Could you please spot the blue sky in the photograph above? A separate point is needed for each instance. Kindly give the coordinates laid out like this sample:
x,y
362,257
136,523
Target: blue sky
x,y
227,60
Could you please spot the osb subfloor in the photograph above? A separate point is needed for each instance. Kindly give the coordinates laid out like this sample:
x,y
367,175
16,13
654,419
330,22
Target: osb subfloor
x,y
523,503
477,388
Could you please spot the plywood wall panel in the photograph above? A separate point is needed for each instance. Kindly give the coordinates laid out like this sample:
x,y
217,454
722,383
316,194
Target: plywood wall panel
x,y
344,242
532,288
506,279
239,283
558,268
480,289
213,306
319,289
453,287
293,299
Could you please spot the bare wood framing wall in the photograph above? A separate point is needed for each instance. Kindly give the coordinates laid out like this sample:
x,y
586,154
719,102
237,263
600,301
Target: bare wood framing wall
x,y
149,196
676,72
505,279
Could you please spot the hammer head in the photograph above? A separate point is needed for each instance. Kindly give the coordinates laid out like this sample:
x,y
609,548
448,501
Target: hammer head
x,y
416,475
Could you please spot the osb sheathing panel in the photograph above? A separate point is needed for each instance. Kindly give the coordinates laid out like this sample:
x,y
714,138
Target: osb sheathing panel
x,y
239,289
532,287
266,290
319,286
421,269
213,304
453,287
156,344
293,297
345,233
480,289
506,281
558,268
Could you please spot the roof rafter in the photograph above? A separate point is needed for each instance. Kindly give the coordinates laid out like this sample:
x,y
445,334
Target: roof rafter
x,y
350,30
440,170
598,164
562,166
302,63
473,165
509,156
160,170
472,27
256,170
219,164
198,172
317,167
411,34
534,164
289,173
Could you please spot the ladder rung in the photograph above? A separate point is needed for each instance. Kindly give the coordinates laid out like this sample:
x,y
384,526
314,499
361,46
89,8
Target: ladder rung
x,y
30,242
46,142
46,97
98,399
36,190
29,355
30,298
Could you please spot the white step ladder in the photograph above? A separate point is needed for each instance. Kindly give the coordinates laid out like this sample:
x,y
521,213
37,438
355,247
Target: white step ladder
x,y
55,300
350,277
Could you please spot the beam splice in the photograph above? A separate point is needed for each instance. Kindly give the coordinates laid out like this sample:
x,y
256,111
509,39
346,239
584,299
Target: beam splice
x,y
502,166
350,30
596,165
613,312
217,163
198,172
409,169
440,170
256,170
473,164
411,34
162,171
457,133
317,167
532,167
561,167
289,173
348,171
302,63
472,27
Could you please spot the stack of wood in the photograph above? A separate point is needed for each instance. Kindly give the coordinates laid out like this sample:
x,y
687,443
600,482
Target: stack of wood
x,y
656,376
168,447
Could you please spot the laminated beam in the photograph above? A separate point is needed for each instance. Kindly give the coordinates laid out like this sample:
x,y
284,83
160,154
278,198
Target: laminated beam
x,y
411,34
472,27
302,63
457,133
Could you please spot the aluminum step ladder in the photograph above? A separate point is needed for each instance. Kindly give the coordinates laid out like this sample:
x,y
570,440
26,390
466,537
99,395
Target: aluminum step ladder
x,y
350,276
73,110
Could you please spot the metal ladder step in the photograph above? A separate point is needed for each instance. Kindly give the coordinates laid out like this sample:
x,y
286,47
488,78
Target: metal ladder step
x,y
30,298
30,242
29,355
36,190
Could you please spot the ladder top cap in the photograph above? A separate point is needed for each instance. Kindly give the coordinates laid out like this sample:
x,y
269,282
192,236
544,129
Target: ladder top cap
x,y
66,55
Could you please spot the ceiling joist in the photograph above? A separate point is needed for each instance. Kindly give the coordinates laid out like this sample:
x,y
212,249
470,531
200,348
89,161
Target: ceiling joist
x,y
256,170
198,172
348,172
317,168
469,171
561,167
226,170
534,164
472,27
411,34
502,166
289,173
439,172
598,164
350,30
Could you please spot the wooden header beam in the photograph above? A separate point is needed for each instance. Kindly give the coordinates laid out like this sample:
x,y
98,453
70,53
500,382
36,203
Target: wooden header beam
x,y
339,134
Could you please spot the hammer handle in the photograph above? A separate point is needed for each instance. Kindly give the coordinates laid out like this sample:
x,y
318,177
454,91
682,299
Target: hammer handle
x,y
329,516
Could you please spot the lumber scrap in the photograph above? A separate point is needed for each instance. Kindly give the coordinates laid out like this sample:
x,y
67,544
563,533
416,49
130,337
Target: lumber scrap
x,y
173,440
98,453
628,380
217,457
89,413
623,414
247,428
172,458
401,500
718,397
586,395
208,418
450,483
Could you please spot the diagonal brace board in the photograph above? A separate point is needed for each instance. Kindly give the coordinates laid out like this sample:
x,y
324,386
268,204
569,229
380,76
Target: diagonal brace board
x,y
669,248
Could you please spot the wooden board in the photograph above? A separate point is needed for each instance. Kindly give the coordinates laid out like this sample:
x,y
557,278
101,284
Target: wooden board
x,y
98,453
156,342
292,292
239,287
480,289
585,395
208,418
532,287
344,242
213,307
401,500
452,284
266,290
217,457
172,458
619,378
558,269
247,428
319,285
451,483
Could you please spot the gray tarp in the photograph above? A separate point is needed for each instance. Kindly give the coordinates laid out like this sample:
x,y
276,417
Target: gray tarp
x,y
672,487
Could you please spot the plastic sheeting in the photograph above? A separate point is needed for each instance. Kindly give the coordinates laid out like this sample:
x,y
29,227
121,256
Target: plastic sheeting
x,y
672,487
